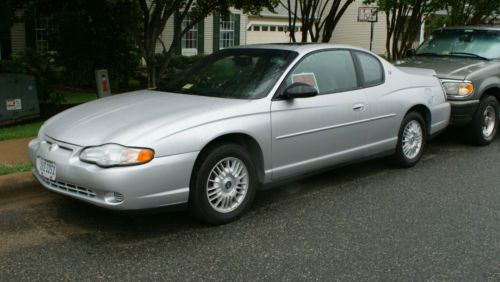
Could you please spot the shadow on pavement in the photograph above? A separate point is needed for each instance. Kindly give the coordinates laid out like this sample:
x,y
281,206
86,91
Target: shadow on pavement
x,y
131,227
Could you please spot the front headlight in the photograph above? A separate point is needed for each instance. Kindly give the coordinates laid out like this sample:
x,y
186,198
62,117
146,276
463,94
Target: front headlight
x,y
109,155
458,89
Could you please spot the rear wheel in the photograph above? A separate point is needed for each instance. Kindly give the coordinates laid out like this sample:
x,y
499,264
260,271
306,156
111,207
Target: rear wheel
x,y
224,184
411,140
484,126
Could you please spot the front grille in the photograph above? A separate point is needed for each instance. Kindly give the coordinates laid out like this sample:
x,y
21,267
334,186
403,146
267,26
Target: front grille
x,y
69,187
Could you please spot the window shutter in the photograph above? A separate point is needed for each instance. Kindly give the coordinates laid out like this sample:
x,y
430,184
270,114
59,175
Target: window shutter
x,y
178,46
237,21
201,37
30,29
216,35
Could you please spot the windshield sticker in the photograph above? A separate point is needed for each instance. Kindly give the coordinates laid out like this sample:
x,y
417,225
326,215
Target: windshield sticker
x,y
187,86
307,78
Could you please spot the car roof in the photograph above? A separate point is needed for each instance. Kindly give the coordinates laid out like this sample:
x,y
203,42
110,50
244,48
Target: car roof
x,y
476,27
297,47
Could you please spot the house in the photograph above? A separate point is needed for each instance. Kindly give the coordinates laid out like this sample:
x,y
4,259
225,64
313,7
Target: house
x,y
217,32
272,28
214,33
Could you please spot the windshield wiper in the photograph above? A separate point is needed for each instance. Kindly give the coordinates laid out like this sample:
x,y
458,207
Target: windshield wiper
x,y
428,54
470,54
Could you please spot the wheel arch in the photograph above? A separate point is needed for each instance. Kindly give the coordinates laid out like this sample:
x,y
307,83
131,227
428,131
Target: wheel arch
x,y
426,114
244,140
493,91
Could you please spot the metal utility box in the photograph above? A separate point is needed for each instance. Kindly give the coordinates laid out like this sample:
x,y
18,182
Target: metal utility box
x,y
18,98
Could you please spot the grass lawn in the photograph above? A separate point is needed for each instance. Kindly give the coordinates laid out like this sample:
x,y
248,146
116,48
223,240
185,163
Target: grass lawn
x,y
76,97
20,131
8,169
31,129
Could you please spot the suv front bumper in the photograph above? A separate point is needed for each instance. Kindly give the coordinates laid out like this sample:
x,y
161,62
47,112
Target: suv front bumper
x,y
462,112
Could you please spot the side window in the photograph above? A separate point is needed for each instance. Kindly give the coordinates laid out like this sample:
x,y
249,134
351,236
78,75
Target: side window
x,y
371,68
327,71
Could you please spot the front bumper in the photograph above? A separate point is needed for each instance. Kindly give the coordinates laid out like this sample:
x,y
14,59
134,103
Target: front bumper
x,y
462,112
162,182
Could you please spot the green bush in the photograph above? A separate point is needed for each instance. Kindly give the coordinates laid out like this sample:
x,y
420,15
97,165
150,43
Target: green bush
x,y
40,66
90,35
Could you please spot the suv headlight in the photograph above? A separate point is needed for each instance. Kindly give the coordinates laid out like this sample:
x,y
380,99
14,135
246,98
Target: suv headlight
x,y
458,89
109,155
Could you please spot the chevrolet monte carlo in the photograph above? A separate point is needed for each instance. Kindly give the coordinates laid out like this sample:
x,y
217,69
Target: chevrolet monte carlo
x,y
238,120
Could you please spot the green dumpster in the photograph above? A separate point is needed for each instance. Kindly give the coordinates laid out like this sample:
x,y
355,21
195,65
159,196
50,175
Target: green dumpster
x,y
18,98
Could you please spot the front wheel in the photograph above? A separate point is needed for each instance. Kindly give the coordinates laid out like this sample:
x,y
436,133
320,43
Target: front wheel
x,y
224,184
484,125
411,140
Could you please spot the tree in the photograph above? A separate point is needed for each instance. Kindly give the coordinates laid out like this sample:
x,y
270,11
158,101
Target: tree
x,y
87,36
472,12
318,18
147,19
404,19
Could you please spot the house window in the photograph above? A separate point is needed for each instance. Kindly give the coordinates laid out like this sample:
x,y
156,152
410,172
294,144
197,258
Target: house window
x,y
227,31
44,26
190,38
256,28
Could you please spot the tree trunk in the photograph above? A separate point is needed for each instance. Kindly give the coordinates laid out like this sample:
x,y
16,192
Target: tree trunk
x,y
151,70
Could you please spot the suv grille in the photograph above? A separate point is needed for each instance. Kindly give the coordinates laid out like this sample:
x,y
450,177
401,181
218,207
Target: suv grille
x,y
69,188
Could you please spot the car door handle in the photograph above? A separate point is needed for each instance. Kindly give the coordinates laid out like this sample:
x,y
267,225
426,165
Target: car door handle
x,y
358,107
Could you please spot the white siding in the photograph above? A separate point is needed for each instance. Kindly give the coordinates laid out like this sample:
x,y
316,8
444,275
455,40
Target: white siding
x,y
350,31
167,35
209,35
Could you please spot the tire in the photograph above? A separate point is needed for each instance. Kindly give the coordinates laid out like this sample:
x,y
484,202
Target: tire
x,y
479,132
412,139
216,196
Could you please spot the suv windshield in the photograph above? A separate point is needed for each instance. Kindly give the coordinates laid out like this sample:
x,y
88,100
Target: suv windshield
x,y
482,44
233,73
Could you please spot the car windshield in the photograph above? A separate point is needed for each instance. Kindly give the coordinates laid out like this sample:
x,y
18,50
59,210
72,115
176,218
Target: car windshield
x,y
482,44
232,73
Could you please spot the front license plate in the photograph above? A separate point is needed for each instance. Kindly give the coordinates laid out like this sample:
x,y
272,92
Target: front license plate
x,y
46,168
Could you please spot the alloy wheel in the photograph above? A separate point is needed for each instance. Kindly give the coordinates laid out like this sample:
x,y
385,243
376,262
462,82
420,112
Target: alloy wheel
x,y
227,184
412,139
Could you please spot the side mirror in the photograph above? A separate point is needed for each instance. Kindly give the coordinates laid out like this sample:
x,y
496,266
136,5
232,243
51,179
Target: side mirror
x,y
299,90
410,53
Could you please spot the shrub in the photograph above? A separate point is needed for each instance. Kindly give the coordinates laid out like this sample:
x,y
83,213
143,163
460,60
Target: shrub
x,y
90,36
40,66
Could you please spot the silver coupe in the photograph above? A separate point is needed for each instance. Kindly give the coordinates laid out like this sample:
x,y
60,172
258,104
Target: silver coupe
x,y
238,120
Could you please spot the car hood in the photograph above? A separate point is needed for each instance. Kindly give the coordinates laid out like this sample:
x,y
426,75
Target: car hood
x,y
134,118
445,67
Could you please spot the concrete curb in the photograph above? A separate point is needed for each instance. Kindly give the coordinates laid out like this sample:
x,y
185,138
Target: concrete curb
x,y
16,182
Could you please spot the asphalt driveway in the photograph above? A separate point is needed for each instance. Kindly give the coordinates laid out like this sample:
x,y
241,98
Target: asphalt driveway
x,y
371,221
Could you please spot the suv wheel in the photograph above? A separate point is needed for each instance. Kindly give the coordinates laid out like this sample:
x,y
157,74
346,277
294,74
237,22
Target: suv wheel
x,y
484,124
223,185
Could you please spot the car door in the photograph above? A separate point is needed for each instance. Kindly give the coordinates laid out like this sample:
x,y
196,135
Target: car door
x,y
311,133
382,107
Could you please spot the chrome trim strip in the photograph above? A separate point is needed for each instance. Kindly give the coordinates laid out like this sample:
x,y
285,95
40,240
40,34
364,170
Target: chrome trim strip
x,y
333,127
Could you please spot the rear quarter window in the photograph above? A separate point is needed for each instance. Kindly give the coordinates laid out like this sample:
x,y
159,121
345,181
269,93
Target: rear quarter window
x,y
371,68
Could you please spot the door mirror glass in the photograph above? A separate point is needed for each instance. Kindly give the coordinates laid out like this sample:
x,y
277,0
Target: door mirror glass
x,y
300,90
